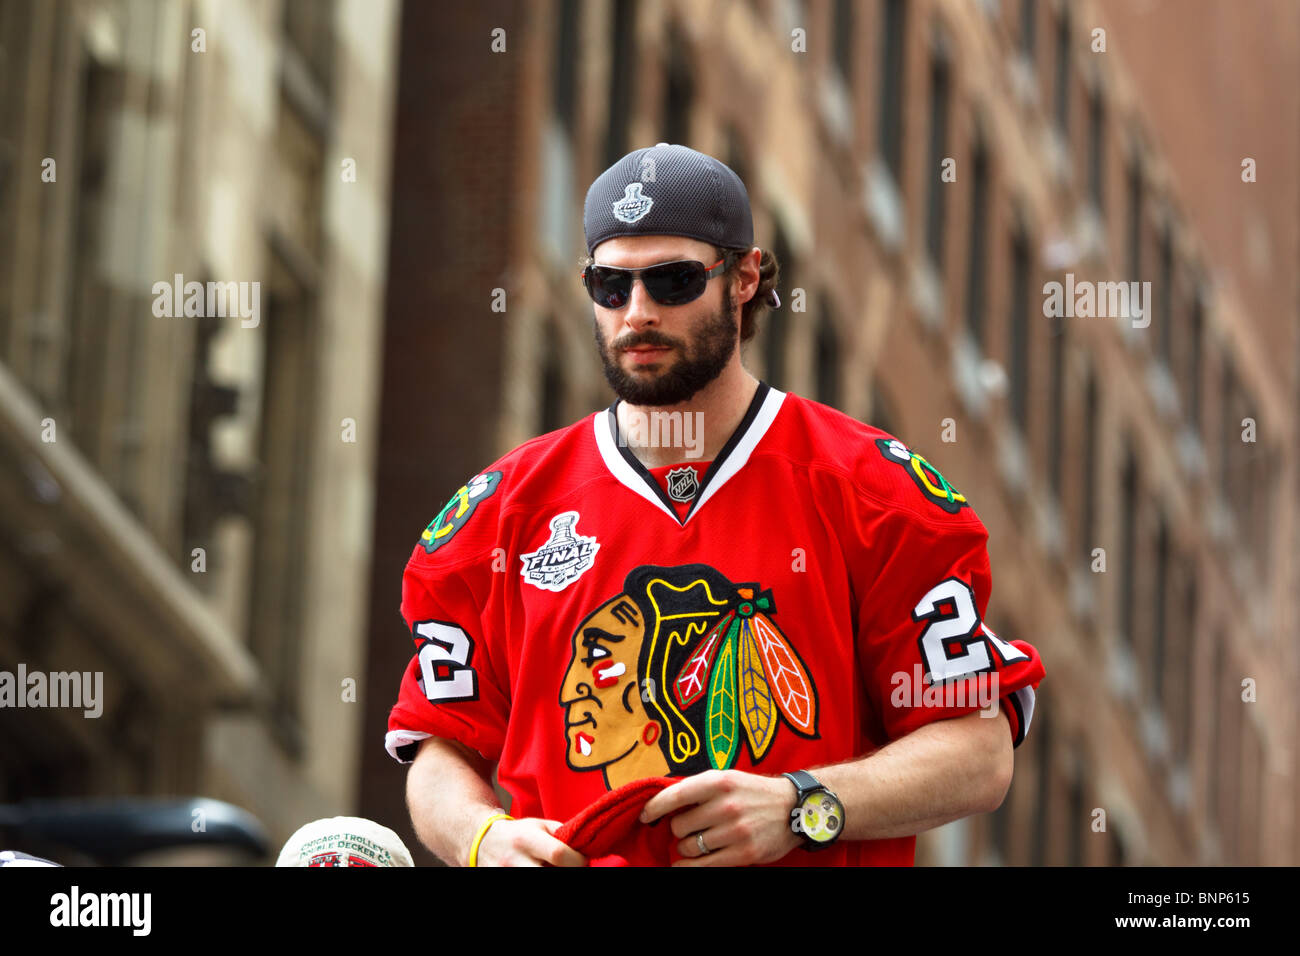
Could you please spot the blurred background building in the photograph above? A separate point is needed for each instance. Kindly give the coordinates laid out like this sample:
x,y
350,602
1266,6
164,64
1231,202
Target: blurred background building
x,y
180,506
1099,139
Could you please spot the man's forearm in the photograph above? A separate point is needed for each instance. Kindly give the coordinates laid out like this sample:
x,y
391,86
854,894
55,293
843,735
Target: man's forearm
x,y
449,797
939,773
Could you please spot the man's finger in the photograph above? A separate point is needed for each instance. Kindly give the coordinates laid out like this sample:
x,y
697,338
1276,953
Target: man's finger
x,y
690,791
699,817
550,851
727,856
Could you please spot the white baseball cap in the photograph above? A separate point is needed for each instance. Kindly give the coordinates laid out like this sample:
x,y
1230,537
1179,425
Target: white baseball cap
x,y
344,841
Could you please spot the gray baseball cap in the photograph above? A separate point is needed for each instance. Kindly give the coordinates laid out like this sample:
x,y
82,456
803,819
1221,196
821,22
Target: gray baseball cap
x,y
669,190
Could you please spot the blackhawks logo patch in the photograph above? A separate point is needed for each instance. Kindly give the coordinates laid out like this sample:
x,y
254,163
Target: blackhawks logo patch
x,y
678,672
924,475
459,510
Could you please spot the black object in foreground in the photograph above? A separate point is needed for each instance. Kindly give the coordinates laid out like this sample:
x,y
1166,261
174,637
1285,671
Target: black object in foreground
x,y
111,832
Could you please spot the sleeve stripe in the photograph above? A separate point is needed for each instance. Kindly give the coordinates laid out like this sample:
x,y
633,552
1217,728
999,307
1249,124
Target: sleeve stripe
x,y
400,744
1023,701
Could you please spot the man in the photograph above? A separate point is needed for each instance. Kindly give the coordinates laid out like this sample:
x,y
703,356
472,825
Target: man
x,y
710,580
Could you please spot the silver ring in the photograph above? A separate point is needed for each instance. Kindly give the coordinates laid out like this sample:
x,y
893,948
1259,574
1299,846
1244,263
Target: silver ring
x,y
699,841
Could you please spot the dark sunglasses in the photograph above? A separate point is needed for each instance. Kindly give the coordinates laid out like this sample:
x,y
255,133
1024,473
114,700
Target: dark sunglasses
x,y
669,283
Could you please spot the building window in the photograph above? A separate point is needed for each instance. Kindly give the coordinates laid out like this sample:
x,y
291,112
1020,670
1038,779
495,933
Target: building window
x,y
1019,325
551,404
1221,684
940,81
679,91
1078,820
623,57
1231,424
1128,551
280,496
1056,410
1063,64
1088,525
828,360
1097,151
1189,591
893,42
309,30
1029,28
978,253
882,412
737,154
210,492
843,39
564,73
1161,614
1043,794
1118,850
1165,306
1194,372
1135,221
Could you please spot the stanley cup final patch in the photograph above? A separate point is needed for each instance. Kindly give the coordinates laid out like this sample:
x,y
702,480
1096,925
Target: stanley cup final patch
x,y
563,558
633,205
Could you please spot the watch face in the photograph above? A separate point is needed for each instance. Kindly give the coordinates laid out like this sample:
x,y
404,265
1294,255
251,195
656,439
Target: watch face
x,y
821,817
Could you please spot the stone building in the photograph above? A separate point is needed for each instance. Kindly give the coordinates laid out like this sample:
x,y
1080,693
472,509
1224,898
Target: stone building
x,y
186,479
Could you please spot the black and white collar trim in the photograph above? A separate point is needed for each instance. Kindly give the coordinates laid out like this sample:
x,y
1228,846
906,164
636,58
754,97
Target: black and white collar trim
x,y
628,469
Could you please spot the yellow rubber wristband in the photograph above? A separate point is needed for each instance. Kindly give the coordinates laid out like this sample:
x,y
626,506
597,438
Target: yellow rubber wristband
x,y
482,832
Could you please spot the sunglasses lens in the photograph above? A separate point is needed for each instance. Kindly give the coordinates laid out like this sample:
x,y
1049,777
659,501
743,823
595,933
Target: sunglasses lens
x,y
609,288
675,283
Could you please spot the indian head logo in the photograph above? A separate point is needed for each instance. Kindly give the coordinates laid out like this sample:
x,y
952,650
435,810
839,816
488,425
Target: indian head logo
x,y
633,206
667,677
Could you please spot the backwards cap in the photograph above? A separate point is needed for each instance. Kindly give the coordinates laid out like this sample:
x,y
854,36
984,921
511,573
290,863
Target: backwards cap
x,y
669,190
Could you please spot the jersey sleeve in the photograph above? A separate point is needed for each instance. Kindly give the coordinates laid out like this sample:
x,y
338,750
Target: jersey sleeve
x,y
455,685
924,650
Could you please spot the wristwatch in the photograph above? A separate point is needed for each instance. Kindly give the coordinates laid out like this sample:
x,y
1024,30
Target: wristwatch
x,y
818,815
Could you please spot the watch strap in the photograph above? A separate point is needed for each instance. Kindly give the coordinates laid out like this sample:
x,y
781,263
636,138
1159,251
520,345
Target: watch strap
x,y
804,782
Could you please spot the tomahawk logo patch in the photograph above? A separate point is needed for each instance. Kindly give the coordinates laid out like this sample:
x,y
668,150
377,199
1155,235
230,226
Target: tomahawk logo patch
x,y
562,559
924,475
459,510
633,206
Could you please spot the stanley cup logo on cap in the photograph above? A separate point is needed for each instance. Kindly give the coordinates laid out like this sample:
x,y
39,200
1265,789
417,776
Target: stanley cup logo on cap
x,y
633,205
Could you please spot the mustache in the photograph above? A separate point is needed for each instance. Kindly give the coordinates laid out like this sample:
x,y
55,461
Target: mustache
x,y
648,337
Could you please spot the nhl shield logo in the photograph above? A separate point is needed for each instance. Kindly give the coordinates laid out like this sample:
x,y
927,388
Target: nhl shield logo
x,y
562,559
633,205
683,483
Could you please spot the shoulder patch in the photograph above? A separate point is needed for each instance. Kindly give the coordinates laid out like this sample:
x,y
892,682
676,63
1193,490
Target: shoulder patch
x,y
924,475
459,510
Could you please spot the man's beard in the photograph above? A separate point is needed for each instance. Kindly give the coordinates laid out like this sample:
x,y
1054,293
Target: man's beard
x,y
714,341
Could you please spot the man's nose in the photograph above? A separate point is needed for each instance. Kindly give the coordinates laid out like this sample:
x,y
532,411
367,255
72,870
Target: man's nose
x,y
642,310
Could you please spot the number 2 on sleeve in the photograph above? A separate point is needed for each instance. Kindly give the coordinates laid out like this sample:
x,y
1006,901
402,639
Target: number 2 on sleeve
x,y
444,662
961,625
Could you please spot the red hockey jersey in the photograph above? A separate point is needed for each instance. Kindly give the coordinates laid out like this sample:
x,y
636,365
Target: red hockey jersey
x,y
815,592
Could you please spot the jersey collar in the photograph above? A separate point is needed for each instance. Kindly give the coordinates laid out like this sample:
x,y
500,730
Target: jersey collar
x,y
627,468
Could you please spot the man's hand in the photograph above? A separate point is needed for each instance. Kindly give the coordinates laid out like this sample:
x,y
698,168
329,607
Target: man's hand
x,y
745,817
527,842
